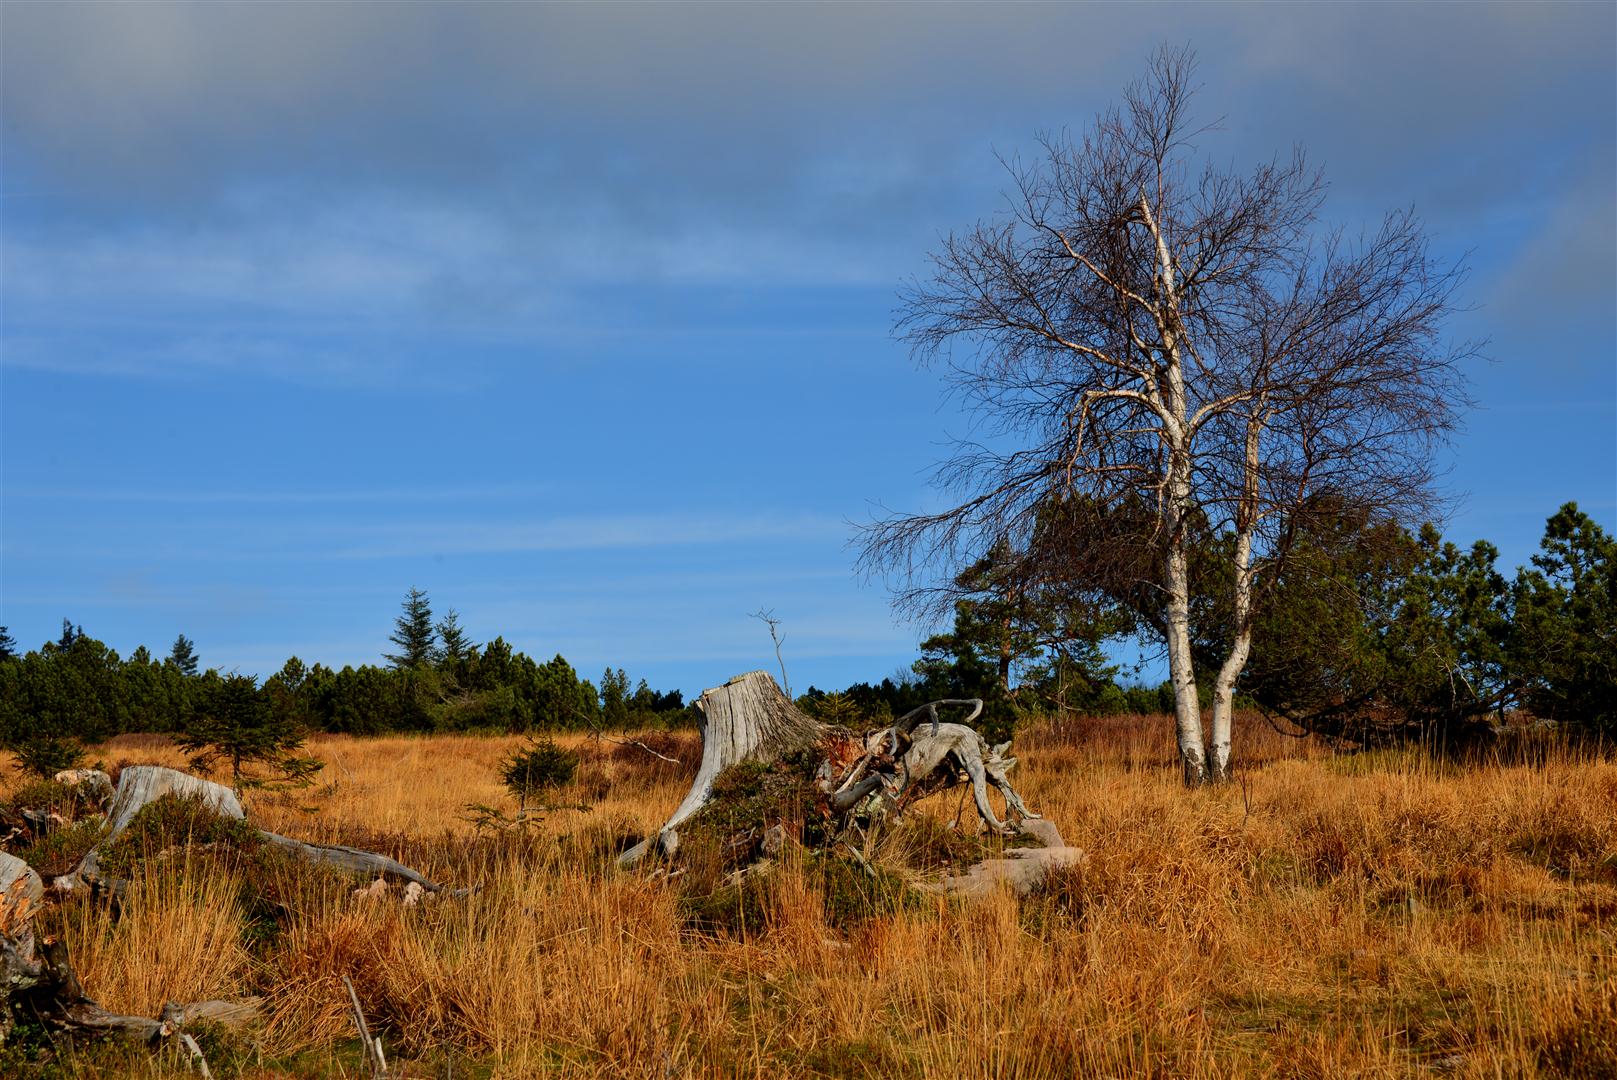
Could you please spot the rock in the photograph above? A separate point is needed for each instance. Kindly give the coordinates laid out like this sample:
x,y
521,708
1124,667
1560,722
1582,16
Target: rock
x,y
92,783
1023,869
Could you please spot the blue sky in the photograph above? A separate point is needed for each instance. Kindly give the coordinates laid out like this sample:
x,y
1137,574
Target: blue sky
x,y
579,317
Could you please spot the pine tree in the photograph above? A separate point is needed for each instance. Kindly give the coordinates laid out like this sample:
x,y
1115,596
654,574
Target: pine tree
x,y
183,655
413,633
8,644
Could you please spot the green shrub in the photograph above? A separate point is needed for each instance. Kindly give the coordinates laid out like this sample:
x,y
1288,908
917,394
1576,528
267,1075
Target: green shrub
x,y
46,755
58,852
539,765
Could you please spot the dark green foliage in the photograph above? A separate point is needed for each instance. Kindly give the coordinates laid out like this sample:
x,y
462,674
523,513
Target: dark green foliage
x,y
46,755
539,765
8,644
1563,640
614,699
453,644
236,724
1386,636
183,655
61,849
413,633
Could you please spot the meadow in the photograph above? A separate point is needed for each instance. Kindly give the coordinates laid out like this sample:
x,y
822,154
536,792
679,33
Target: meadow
x,y
1330,915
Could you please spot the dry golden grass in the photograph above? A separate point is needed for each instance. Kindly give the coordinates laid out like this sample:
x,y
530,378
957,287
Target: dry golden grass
x,y
1369,915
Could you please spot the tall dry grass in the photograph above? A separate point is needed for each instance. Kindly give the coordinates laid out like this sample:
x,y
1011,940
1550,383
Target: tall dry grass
x,y
1329,915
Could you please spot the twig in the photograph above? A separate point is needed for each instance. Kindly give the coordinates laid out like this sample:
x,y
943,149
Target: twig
x,y
373,1046
864,864
642,746
773,623
196,1052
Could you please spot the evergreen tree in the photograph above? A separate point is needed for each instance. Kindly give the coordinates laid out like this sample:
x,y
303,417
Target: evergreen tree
x,y
183,655
236,724
614,698
69,634
453,644
1563,637
8,644
413,633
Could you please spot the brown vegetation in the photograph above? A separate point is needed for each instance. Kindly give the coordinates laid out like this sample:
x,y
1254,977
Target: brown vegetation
x,y
1369,915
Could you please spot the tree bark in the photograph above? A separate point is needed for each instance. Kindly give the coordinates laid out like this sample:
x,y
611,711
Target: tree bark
x,y
1181,669
1178,497
746,719
1246,523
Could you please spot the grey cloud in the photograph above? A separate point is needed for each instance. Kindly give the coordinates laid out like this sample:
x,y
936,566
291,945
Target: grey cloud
x,y
462,165
653,104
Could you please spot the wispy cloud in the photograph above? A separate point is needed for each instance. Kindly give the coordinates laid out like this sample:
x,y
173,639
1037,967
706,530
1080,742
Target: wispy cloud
x,y
400,496
589,534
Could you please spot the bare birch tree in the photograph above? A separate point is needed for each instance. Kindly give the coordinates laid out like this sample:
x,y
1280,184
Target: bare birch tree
x,y
1187,343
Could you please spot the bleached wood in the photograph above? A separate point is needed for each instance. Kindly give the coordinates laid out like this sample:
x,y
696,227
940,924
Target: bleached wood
x,y
746,719
750,719
140,785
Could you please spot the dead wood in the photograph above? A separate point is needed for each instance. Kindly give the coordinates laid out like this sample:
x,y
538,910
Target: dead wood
x,y
141,785
750,719
746,719
1022,870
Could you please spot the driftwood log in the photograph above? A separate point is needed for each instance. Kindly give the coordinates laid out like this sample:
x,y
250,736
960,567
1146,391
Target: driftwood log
x,y
750,719
141,785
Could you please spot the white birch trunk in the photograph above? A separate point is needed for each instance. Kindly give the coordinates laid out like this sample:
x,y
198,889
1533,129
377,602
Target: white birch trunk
x,y
1181,671
1246,519
1178,498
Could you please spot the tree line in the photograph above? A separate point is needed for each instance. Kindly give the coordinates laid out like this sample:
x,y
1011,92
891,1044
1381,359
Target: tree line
x,y
1380,635
77,690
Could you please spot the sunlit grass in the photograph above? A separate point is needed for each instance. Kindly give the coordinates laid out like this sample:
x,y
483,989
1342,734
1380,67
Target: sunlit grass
x,y
1327,916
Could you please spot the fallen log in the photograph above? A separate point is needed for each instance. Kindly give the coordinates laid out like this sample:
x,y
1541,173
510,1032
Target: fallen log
x,y
141,785
1022,870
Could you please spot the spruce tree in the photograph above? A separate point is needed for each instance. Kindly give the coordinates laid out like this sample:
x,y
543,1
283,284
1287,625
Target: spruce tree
x,y
413,633
236,724
453,644
183,655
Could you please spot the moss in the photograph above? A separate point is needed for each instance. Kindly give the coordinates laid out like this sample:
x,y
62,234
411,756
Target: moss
x,y
750,798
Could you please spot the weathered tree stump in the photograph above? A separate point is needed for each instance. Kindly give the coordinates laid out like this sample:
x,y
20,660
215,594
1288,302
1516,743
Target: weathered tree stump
x,y
750,719
746,719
